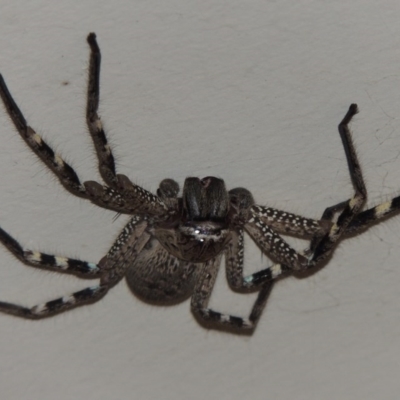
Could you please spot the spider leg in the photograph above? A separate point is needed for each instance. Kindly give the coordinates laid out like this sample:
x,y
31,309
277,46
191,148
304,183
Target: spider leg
x,y
330,212
110,269
327,216
79,268
103,149
127,199
120,189
351,208
374,215
288,223
61,169
234,267
367,218
362,221
272,243
36,259
235,250
234,253
322,244
123,196
86,296
258,226
202,294
262,224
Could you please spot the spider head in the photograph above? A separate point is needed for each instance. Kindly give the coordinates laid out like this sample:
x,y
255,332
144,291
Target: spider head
x,y
202,230
207,213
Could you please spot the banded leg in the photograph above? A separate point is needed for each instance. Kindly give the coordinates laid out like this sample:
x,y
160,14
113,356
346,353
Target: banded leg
x,y
321,246
263,223
79,268
133,197
234,258
362,221
124,196
327,216
103,149
326,245
54,161
36,259
202,294
373,215
86,296
111,269
365,219
234,267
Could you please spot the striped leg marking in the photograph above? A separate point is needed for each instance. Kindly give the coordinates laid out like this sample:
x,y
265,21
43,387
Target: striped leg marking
x,y
57,306
202,294
110,270
36,259
326,245
103,149
322,247
54,161
373,215
367,218
120,195
234,267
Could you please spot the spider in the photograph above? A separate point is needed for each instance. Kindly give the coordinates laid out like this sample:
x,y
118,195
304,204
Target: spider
x,y
172,246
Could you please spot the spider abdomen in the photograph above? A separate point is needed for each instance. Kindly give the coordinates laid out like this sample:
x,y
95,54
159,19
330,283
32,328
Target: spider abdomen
x,y
158,277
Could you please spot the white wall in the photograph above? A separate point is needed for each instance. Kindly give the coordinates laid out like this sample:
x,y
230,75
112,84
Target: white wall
x,y
251,91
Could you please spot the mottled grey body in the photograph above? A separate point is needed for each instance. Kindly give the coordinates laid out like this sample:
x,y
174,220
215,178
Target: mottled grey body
x,y
172,247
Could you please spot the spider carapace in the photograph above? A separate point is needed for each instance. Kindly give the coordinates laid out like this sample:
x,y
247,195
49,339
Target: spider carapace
x,y
200,228
172,246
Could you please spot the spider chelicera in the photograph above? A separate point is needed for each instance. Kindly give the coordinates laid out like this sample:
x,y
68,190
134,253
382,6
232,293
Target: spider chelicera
x,y
172,246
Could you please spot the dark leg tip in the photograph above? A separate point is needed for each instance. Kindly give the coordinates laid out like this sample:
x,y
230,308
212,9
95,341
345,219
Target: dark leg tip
x,y
91,39
3,85
353,109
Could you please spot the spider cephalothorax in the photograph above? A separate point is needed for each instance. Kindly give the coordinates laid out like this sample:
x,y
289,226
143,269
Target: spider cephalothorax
x,y
200,229
172,246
